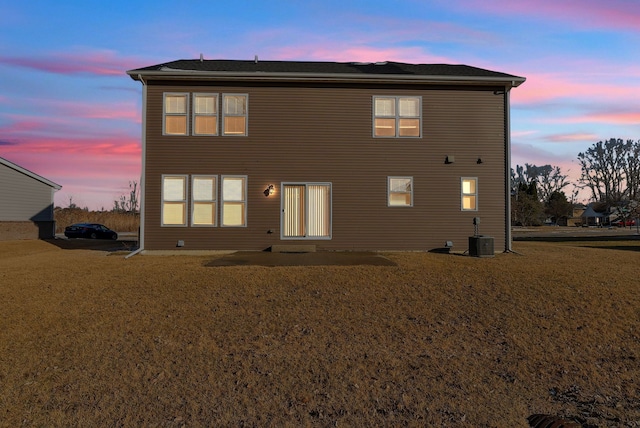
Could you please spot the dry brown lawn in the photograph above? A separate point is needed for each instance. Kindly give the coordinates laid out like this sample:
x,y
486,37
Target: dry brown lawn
x,y
91,339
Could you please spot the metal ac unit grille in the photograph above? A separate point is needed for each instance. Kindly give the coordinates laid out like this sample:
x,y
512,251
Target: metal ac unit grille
x,y
481,246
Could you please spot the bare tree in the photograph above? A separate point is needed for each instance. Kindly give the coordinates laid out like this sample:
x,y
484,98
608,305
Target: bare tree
x,y
128,204
548,178
611,170
602,169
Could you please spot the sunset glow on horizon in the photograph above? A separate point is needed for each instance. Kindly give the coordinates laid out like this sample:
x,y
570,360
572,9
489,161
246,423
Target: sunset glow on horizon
x,y
69,112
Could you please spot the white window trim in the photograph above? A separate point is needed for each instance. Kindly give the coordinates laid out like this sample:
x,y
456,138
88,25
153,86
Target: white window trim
x,y
215,200
282,208
462,194
389,192
194,114
223,115
165,114
186,198
222,201
397,116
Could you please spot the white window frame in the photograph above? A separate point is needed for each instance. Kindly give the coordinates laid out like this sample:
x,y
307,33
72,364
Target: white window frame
x,y
396,116
306,199
242,201
215,114
390,191
224,115
174,201
213,201
463,194
166,114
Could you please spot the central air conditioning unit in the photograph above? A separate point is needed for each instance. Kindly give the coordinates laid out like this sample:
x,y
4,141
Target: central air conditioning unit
x,y
480,246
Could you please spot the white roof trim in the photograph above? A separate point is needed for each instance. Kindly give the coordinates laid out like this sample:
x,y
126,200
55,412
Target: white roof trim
x,y
30,174
174,73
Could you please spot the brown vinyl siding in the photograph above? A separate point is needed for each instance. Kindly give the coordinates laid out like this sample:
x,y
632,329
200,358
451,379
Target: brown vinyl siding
x,y
323,133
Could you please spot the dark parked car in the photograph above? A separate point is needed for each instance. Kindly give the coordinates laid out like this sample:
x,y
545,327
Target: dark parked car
x,y
89,230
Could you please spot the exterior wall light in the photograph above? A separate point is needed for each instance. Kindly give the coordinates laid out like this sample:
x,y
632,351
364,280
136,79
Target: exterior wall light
x,y
270,190
449,159
479,161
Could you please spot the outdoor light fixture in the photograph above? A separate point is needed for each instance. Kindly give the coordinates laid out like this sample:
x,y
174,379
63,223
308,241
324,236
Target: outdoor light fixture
x,y
450,159
270,190
479,161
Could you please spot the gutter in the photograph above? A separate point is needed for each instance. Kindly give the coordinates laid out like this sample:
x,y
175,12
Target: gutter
x,y
171,73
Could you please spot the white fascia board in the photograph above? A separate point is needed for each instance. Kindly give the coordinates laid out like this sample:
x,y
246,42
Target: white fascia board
x,y
170,73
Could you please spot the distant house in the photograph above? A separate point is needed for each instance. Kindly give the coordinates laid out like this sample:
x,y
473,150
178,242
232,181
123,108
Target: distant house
x,y
340,156
591,217
576,217
26,203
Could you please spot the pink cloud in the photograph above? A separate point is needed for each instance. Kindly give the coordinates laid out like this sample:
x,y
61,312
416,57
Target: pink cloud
x,y
94,110
572,138
93,172
54,117
104,147
617,118
612,14
101,63
323,52
546,87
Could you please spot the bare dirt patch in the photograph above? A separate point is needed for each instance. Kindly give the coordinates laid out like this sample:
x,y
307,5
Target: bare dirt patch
x,y
92,339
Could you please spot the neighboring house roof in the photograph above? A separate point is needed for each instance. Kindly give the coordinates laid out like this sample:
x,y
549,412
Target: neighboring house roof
x,y
305,70
29,174
590,212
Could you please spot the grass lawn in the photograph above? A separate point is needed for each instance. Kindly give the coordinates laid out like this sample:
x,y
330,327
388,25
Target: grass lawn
x,y
91,339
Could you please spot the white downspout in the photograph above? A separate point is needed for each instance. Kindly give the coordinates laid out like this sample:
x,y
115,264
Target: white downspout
x,y
507,168
142,175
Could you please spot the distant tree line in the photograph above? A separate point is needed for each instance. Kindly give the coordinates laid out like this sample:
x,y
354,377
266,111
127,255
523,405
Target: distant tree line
x,y
609,169
127,204
537,193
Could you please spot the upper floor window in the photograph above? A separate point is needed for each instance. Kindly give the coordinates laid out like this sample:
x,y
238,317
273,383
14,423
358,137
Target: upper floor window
x,y
395,117
400,191
234,110
205,114
469,194
175,113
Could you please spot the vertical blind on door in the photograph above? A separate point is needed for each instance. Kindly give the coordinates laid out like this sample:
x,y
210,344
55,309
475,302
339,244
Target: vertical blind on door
x,y
307,211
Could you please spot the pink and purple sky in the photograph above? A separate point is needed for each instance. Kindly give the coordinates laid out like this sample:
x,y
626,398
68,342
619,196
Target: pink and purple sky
x,y
69,113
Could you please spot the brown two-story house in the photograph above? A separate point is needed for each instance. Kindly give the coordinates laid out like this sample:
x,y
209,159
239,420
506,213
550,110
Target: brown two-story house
x,y
342,156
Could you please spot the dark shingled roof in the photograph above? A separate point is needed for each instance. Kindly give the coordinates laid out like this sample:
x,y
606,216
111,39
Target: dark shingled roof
x,y
323,68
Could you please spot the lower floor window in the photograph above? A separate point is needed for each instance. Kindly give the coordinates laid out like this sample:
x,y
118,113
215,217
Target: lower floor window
x,y
203,194
469,194
400,191
203,208
306,210
234,201
174,200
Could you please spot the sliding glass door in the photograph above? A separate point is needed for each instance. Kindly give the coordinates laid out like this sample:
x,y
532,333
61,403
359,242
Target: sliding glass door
x,y
306,211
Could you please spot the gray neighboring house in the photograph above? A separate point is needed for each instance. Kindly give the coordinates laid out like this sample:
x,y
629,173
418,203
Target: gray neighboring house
x,y
26,203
